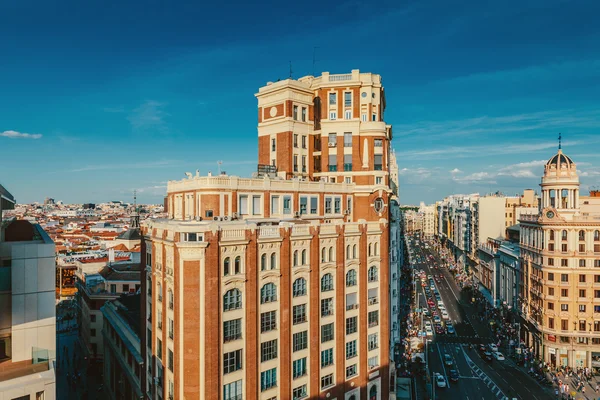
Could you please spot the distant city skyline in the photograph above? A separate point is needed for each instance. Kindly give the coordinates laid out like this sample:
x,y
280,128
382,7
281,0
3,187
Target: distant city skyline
x,y
89,114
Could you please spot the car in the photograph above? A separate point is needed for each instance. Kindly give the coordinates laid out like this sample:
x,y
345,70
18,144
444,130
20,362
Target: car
x,y
425,312
450,329
499,356
440,381
482,348
437,319
437,280
448,360
493,348
487,356
454,375
428,331
439,330
445,315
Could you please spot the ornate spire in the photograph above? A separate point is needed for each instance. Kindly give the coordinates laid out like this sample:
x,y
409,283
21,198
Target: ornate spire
x,y
135,217
559,141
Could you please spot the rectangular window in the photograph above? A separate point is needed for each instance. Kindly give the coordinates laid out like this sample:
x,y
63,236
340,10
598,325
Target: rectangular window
x,y
351,371
274,204
551,323
243,204
299,393
351,325
303,141
295,163
328,205
348,114
295,140
337,204
581,278
347,99
347,139
332,98
268,379
582,306
564,277
564,292
303,205
268,350
233,391
303,118
326,307
550,276
300,340
597,294
299,368
256,205
363,118
582,263
326,333
378,180
314,204
582,248
564,307
170,360
373,362
378,162
551,261
159,349
597,309
564,247
299,314
326,358
378,143
332,139
374,117
350,349
287,205
373,318
332,115
596,278
373,341
347,162
268,321
332,162
113,288
326,381
273,147
303,164
550,306
295,114
232,361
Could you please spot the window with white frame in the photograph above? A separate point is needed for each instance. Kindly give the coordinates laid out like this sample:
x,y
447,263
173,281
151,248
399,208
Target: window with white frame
x,y
274,204
299,368
256,210
299,287
350,349
326,358
268,293
233,390
243,204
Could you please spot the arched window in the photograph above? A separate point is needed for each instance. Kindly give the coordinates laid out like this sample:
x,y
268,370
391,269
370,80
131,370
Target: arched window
x,y
596,236
273,261
354,253
326,283
237,269
373,393
295,260
171,299
564,235
348,254
370,249
351,278
232,300
582,235
226,267
299,287
376,246
551,235
268,293
159,291
263,262
331,254
372,274
304,257
323,254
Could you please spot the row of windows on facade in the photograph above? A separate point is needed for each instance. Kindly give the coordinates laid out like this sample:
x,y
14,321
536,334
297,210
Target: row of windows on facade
x,y
327,255
581,307
232,299
564,262
581,325
252,205
582,235
331,141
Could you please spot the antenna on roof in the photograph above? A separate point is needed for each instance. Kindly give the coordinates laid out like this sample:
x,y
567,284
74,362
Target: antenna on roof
x,y
559,140
290,70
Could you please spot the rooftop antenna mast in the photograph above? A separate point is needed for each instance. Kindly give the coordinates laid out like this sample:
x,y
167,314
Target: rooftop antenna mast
x,y
135,200
290,70
559,140
219,166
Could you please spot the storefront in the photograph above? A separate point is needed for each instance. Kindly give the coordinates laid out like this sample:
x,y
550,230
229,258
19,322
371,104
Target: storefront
x,y
580,357
596,362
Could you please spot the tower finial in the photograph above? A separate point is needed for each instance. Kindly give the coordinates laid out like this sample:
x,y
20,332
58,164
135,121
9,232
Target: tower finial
x,y
559,141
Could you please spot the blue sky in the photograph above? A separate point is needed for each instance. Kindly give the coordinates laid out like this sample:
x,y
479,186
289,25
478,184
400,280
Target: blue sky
x,y
116,96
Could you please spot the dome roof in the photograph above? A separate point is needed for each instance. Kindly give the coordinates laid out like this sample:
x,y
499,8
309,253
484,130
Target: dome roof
x,y
559,159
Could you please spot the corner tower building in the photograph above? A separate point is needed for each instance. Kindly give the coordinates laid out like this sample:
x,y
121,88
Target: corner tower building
x,y
276,286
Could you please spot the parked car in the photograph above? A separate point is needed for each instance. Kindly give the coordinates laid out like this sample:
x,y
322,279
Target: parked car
x,y
440,381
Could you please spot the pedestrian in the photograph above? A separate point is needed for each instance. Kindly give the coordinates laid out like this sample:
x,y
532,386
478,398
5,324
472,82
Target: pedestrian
x,y
597,388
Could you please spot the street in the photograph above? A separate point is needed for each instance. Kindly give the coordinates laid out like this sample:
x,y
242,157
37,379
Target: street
x,y
476,377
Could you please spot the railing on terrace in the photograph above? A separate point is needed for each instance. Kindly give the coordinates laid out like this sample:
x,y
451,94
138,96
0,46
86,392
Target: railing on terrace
x,y
340,77
233,234
268,231
298,230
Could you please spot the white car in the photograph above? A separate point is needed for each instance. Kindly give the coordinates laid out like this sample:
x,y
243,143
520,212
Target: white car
x,y
499,356
440,381
428,331
493,348
445,315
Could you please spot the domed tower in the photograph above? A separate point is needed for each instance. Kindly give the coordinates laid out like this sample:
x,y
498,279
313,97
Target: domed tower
x,y
560,187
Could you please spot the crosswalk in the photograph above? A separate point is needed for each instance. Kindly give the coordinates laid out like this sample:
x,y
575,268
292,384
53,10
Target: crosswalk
x,y
486,379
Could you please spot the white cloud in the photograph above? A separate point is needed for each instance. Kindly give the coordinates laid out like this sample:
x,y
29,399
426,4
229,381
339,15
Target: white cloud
x,y
20,135
149,115
523,170
455,171
474,177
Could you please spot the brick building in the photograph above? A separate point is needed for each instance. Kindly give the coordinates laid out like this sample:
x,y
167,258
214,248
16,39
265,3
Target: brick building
x,y
276,286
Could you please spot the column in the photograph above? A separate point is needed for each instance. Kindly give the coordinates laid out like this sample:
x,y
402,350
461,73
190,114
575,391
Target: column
x,y
588,359
570,358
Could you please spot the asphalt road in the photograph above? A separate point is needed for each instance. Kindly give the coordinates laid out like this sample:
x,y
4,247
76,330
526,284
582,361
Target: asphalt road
x,y
478,379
